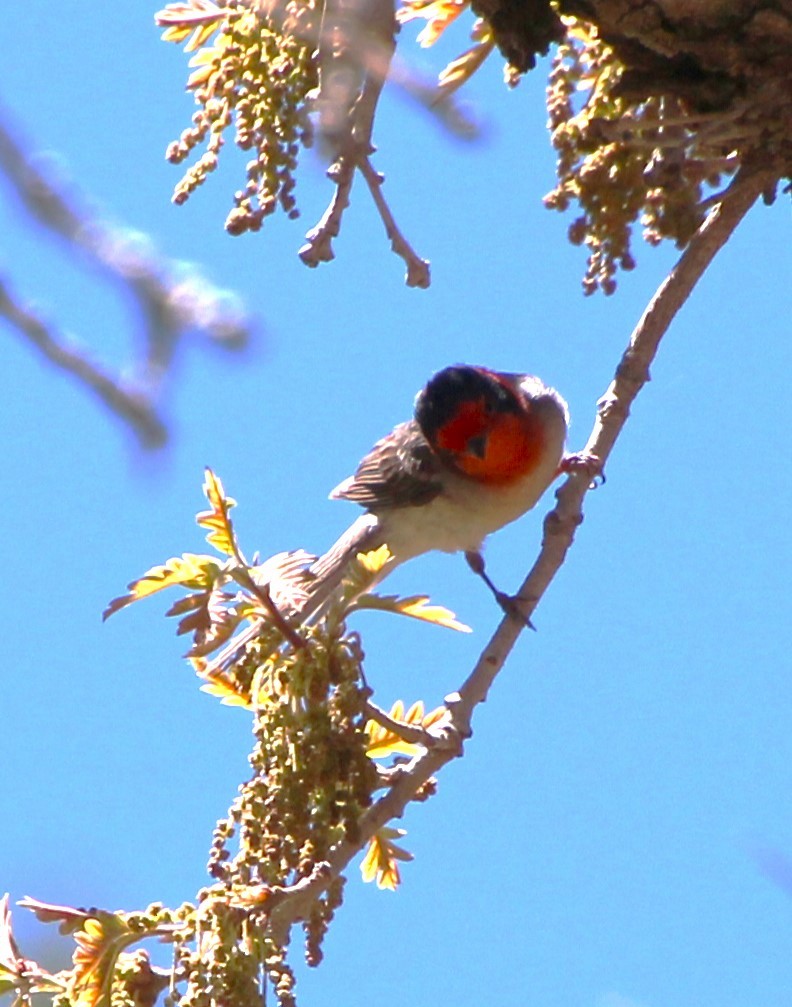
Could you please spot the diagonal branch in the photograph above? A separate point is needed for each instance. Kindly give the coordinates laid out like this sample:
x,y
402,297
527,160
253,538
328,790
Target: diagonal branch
x,y
559,527
613,408
171,297
418,274
128,403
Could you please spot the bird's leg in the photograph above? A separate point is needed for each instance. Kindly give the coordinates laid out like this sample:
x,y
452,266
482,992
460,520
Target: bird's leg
x,y
508,602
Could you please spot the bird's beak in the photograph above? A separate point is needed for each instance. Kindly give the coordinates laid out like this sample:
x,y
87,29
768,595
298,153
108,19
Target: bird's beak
x,y
478,446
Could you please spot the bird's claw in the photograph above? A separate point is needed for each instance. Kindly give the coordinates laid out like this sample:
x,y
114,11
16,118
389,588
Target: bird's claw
x,y
510,603
583,461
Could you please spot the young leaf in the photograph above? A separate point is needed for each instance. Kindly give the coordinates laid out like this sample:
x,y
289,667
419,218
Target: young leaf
x,y
439,14
381,858
462,68
229,693
100,937
17,974
217,520
415,607
196,21
383,742
189,570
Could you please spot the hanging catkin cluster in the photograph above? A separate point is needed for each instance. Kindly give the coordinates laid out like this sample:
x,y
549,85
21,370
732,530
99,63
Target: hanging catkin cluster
x,y
254,75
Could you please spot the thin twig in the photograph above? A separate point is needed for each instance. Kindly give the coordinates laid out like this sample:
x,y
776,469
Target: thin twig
x,y
319,240
167,303
418,274
560,524
400,728
278,619
356,47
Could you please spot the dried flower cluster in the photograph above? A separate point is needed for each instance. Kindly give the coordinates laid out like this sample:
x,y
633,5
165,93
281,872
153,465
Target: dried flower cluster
x,y
311,780
316,764
255,74
312,777
622,158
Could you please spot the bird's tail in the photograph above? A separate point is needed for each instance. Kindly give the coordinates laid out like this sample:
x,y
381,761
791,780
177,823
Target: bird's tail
x,y
301,585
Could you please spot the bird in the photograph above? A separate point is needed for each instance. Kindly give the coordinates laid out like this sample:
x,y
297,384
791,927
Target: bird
x,y
481,449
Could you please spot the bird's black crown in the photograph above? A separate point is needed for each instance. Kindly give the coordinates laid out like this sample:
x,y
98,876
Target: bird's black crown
x,y
438,402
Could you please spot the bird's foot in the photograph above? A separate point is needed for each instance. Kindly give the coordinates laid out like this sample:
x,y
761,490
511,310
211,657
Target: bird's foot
x,y
583,461
511,604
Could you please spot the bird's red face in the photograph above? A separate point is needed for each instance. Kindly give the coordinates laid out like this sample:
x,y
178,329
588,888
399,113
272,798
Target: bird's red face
x,y
481,423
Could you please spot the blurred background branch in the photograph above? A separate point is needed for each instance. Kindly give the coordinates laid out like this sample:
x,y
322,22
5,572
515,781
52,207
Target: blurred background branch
x,y
171,298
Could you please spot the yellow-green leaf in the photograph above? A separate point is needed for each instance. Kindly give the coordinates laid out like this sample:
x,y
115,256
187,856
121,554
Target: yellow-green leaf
x,y
187,15
375,560
462,68
201,34
217,520
439,14
175,33
381,858
416,607
229,693
189,570
382,741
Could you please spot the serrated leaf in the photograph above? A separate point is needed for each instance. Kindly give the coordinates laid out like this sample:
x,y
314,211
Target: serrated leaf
x,y
217,520
68,917
100,937
175,33
416,607
380,860
208,617
189,570
99,944
9,952
217,636
201,34
188,15
203,56
18,974
229,693
371,563
199,77
382,741
188,603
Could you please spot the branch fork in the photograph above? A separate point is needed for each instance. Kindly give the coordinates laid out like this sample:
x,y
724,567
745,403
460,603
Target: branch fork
x,y
356,47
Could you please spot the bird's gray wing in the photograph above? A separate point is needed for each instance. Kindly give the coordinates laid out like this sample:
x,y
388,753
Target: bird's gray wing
x,y
401,470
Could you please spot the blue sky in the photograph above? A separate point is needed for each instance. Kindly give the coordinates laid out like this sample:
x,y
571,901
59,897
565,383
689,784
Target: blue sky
x,y
597,845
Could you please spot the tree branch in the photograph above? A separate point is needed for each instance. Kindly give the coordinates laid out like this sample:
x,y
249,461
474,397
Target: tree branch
x,y
559,526
130,404
356,47
418,274
415,735
171,297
